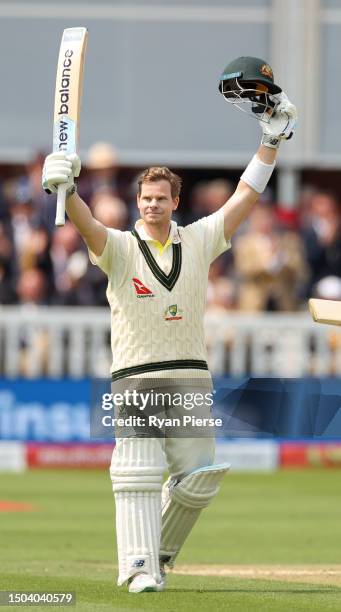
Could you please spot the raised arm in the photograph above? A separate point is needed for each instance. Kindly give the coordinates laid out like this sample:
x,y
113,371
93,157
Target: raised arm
x,y
257,174
239,205
92,231
61,168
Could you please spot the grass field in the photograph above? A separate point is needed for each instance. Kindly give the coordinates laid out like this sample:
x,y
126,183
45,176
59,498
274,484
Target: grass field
x,y
269,542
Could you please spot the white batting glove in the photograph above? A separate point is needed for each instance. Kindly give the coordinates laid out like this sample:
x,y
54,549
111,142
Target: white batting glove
x,y
282,122
60,168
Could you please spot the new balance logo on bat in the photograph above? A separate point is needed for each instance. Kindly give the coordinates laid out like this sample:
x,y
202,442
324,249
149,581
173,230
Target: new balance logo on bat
x,y
64,97
63,135
65,83
141,290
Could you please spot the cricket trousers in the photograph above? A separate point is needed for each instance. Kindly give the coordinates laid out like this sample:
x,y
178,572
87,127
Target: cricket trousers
x,y
139,460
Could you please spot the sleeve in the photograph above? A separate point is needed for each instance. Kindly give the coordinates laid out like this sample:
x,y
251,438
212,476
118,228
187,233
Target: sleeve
x,y
114,257
210,231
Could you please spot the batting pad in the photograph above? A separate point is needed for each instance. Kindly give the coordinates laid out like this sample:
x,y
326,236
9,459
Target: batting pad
x,y
136,472
185,503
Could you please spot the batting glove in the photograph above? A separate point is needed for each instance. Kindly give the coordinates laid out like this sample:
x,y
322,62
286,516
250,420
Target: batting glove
x,y
282,122
60,168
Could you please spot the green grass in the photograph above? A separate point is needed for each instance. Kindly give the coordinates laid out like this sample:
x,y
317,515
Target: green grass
x,y
69,542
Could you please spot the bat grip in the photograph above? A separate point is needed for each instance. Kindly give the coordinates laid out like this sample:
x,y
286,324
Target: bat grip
x,y
60,211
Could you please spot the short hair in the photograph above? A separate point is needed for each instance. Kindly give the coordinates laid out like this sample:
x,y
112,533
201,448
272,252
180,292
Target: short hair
x,y
160,173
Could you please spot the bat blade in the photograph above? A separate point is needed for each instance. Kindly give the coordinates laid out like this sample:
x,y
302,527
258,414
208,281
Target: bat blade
x,y
69,84
325,311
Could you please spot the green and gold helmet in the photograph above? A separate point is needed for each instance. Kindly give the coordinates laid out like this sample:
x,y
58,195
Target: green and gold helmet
x,y
248,83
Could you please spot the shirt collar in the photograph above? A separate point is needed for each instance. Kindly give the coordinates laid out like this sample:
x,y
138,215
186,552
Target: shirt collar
x,y
173,237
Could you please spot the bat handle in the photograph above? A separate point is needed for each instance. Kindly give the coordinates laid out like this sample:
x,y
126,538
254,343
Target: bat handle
x,y
60,212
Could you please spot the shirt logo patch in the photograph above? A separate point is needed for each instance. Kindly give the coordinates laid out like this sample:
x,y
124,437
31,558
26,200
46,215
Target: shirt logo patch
x,y
173,313
141,290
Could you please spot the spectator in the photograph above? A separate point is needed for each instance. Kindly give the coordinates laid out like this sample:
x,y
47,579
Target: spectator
x,y
198,200
7,267
28,184
7,292
329,288
102,166
110,210
218,272
22,214
32,287
270,264
65,242
322,238
79,291
36,253
91,287
304,205
34,341
32,182
221,296
221,299
208,196
218,192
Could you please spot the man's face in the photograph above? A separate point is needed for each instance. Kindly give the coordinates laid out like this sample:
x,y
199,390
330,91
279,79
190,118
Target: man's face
x,y
156,203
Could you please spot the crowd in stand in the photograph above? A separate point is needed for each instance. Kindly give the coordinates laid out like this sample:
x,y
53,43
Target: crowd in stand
x,y
279,257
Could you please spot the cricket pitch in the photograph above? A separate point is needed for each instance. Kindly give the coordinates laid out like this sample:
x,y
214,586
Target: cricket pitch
x,y
312,574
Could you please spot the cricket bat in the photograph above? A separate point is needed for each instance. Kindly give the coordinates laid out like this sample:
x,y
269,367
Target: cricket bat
x,y
69,83
325,311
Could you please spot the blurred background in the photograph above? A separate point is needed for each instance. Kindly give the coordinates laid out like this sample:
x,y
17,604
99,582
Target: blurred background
x,y
151,97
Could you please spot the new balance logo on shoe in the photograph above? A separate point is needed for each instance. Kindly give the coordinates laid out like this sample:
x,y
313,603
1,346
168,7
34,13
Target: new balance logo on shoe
x,y
141,290
138,563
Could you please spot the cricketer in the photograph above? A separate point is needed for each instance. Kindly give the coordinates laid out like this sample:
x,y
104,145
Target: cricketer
x,y
157,279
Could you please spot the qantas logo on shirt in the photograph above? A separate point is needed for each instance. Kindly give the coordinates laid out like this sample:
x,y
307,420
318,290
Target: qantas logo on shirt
x,y
141,290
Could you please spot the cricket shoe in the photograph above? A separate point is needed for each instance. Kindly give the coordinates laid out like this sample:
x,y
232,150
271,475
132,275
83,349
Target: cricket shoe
x,y
161,584
142,583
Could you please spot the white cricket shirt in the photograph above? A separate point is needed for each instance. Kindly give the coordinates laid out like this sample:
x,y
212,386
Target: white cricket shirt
x,y
157,297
